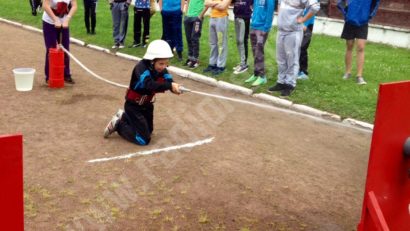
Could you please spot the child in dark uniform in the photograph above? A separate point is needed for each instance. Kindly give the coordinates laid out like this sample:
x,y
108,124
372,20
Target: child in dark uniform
x,y
150,76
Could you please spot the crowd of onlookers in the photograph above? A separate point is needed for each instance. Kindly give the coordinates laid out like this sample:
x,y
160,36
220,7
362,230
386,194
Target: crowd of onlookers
x,y
252,22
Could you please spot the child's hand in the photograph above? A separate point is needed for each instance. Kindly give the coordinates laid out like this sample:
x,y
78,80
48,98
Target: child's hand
x,y
65,24
300,20
57,24
175,88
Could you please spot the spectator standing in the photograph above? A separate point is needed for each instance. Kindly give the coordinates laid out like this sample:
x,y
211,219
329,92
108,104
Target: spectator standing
x,y
90,7
142,14
242,10
289,40
261,24
307,36
193,27
218,30
35,6
119,13
171,11
56,19
357,15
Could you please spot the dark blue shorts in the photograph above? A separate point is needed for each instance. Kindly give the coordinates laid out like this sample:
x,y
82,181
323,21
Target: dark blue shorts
x,y
351,32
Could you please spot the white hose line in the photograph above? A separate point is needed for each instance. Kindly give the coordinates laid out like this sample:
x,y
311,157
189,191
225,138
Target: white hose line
x,y
90,71
220,97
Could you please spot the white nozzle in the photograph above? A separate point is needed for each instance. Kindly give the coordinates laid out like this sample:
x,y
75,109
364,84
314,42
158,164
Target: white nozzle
x,y
183,89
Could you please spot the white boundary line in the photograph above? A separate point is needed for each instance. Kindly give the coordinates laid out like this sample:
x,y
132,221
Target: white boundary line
x,y
149,152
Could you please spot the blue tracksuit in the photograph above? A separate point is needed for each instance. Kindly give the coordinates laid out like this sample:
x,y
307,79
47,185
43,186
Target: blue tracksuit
x,y
358,12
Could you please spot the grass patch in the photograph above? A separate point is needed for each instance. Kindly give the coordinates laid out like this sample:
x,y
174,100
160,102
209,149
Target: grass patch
x,y
325,90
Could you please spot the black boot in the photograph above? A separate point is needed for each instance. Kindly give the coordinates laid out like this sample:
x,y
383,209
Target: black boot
x,y
179,56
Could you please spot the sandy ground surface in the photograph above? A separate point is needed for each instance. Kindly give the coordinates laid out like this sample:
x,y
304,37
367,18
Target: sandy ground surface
x,y
265,169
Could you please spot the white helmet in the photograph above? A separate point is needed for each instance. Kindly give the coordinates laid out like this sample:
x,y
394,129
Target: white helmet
x,y
158,49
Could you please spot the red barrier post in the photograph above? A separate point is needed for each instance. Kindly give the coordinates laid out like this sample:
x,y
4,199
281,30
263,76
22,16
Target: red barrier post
x,y
11,180
386,204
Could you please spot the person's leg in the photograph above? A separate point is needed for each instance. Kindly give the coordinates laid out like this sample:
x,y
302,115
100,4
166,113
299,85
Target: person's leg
x,y
303,60
260,53
116,21
146,17
87,16
134,127
66,43
189,27
213,42
179,45
222,27
348,56
292,49
164,26
253,37
281,57
149,116
260,58
361,43
50,41
246,38
93,9
124,23
239,32
137,25
33,8
167,29
196,35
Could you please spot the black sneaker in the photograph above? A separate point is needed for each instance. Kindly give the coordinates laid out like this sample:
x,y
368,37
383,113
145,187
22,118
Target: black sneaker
x,y
210,68
115,46
218,70
187,62
277,87
287,91
135,44
194,64
69,80
179,56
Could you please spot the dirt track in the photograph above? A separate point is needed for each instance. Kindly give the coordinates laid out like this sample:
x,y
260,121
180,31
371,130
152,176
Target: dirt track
x,y
265,169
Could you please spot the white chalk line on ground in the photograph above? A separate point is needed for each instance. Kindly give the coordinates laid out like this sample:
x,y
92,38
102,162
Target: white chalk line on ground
x,y
149,152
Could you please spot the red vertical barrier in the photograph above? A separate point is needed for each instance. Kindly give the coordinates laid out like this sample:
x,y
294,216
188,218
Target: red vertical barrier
x,y
386,204
11,183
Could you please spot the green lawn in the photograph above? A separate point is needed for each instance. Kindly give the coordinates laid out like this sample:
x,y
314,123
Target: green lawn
x,y
324,90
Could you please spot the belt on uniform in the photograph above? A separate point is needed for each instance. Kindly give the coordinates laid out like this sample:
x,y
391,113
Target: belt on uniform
x,y
139,99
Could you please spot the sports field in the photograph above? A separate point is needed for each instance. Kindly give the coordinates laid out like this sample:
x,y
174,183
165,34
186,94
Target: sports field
x,y
256,168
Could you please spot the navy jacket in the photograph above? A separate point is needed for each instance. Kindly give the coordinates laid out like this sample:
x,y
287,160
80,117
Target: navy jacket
x,y
358,12
242,8
146,81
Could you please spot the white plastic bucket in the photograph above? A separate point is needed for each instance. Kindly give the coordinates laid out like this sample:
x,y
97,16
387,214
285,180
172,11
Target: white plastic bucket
x,y
24,78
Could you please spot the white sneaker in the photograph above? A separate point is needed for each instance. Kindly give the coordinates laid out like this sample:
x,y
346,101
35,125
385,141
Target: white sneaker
x,y
113,124
241,69
346,76
115,46
119,113
237,67
360,81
